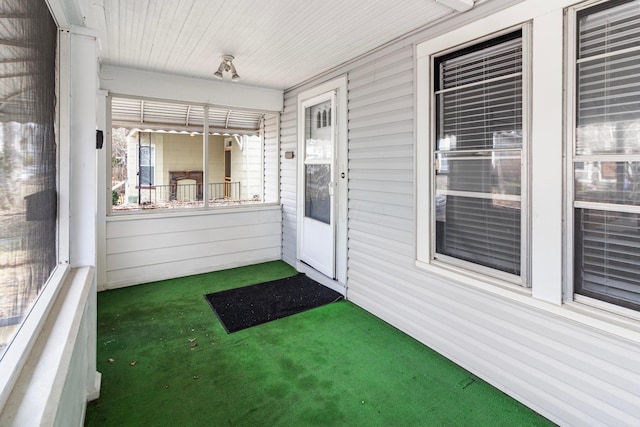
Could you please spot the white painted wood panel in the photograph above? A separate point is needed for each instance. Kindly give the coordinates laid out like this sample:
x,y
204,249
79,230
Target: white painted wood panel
x,y
564,363
143,248
288,179
278,43
145,274
169,87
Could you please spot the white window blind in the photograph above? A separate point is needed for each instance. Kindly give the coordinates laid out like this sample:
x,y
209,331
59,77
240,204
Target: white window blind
x,y
607,154
478,154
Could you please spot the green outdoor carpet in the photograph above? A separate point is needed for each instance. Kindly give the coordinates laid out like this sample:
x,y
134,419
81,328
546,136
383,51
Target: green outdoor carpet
x,y
166,360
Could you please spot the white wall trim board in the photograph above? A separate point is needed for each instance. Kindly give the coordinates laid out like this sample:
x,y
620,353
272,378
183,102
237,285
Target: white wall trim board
x,y
55,384
146,84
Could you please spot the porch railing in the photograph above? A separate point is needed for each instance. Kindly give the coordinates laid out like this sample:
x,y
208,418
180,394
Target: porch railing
x,y
189,192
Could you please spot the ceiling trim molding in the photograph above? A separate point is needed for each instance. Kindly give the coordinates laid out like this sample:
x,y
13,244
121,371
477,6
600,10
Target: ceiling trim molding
x,y
145,84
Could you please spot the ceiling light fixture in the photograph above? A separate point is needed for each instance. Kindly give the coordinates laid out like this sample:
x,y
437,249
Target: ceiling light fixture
x,y
227,65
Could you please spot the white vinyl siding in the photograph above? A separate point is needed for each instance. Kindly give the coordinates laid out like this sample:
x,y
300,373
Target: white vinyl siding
x,y
607,153
381,195
575,365
288,178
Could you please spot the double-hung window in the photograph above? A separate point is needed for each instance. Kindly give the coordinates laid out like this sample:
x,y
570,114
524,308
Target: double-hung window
x,y
478,141
606,153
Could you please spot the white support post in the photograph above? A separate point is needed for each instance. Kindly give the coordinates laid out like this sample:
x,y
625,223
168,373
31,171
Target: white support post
x,y
82,143
205,160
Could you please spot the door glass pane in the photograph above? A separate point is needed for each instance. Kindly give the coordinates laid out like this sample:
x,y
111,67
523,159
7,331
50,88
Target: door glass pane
x,y
317,133
146,165
317,198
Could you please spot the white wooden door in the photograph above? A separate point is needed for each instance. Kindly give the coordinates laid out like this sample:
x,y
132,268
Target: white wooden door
x,y
317,149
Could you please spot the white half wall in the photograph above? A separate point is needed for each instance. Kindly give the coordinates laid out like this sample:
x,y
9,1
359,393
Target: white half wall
x,y
59,375
149,247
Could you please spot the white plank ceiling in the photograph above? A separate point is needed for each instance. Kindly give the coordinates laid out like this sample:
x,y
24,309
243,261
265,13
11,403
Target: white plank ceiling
x,y
277,43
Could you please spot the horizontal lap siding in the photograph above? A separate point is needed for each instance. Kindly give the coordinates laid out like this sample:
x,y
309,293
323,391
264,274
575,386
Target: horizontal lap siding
x,y
570,372
381,195
148,249
547,362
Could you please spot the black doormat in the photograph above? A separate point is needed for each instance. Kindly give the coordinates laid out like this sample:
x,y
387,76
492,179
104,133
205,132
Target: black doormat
x,y
241,308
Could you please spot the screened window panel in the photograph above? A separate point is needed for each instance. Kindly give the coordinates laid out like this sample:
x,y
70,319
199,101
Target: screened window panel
x,y
28,194
607,240
479,154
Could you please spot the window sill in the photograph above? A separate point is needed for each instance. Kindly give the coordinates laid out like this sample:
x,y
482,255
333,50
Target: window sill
x,y
201,211
18,350
61,355
476,280
616,324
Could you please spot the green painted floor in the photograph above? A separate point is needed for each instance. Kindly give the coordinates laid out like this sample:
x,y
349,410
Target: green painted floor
x,y
166,361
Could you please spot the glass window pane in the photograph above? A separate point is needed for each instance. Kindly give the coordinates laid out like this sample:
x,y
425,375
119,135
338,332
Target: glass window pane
x,y
318,132
606,29
607,242
496,58
607,256
607,182
474,115
609,105
492,172
479,230
317,198
478,154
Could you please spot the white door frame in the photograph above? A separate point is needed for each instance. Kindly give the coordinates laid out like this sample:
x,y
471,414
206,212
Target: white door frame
x,y
339,213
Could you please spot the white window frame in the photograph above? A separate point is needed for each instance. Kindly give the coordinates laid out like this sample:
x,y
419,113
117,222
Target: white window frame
x,y
570,110
425,134
110,212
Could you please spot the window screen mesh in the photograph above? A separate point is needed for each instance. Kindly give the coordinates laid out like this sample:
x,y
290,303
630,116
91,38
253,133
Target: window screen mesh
x,y
478,154
607,240
27,158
